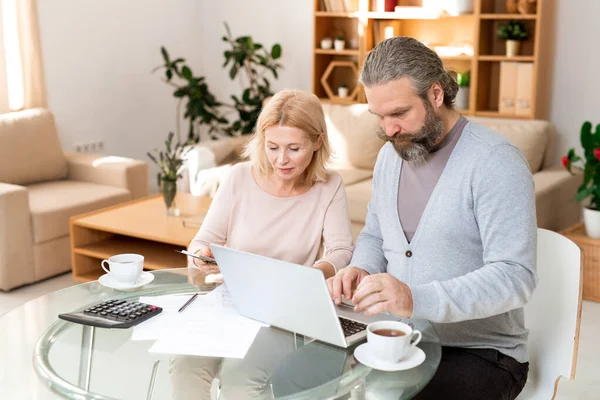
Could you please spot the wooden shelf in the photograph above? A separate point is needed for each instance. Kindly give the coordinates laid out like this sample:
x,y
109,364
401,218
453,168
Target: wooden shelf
x,y
336,14
508,16
347,52
399,16
505,58
156,255
497,114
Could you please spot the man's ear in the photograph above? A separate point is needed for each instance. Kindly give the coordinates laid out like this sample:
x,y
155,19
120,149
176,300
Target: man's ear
x,y
436,95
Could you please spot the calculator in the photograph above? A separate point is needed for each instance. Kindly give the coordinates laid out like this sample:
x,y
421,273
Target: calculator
x,y
120,314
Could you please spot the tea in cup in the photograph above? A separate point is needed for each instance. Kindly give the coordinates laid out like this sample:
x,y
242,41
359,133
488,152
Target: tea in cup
x,y
124,268
390,341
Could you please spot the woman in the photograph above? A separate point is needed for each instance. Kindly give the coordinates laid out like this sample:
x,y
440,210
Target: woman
x,y
282,204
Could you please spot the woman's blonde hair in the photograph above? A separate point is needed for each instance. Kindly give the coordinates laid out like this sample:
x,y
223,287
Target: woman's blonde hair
x,y
297,109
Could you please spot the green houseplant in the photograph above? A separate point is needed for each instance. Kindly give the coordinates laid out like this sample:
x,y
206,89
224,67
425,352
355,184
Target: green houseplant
x,y
247,61
589,164
513,32
171,163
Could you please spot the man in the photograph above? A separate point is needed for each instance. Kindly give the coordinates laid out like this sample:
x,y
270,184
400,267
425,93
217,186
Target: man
x,y
450,233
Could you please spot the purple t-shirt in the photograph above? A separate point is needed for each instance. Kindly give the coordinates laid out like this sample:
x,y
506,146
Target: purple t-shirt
x,y
417,181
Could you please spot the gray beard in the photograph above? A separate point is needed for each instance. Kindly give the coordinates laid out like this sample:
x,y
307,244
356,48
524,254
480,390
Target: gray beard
x,y
414,147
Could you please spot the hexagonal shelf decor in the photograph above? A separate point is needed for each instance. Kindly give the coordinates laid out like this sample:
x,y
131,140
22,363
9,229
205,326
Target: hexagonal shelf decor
x,y
327,74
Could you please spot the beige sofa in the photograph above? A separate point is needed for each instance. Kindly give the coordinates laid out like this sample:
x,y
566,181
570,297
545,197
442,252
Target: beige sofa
x,y
352,134
41,187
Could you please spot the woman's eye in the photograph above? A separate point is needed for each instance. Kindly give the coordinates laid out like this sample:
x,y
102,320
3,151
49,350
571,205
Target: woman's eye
x,y
294,149
273,148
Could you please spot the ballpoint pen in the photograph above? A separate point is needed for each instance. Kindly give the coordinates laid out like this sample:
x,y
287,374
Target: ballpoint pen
x,y
187,303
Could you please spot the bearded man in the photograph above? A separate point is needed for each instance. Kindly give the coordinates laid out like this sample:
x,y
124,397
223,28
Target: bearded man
x,y
450,233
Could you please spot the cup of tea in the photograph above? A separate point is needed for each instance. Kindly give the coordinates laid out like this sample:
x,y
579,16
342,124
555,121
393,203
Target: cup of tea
x,y
390,341
124,268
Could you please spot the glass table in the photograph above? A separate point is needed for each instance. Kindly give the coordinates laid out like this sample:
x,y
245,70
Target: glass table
x,y
80,362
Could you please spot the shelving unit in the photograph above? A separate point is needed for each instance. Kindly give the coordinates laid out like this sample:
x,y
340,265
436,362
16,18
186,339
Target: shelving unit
x,y
477,29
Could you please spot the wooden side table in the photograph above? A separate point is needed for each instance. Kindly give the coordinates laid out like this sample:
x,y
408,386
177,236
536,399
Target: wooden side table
x,y
591,260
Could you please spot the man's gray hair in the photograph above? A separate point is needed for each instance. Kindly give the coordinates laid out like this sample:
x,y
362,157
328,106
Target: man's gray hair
x,y
404,56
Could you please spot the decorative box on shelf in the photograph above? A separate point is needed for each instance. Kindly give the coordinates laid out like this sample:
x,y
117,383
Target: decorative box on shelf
x,y
590,249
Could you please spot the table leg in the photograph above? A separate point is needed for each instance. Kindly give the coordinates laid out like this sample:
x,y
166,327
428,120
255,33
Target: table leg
x,y
85,362
152,380
358,392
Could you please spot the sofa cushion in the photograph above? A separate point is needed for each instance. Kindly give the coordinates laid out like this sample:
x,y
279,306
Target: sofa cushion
x,y
532,137
354,175
53,203
29,148
352,132
359,196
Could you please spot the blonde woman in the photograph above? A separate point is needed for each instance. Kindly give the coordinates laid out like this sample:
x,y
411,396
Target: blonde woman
x,y
282,204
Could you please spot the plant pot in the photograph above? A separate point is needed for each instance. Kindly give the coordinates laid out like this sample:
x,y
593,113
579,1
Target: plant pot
x,y
458,7
339,44
326,43
343,92
461,101
168,188
591,219
512,48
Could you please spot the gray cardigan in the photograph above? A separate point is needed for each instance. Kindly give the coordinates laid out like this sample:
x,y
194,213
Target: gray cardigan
x,y
471,264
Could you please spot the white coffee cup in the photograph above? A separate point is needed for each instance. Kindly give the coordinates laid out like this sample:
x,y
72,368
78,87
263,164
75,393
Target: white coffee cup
x,y
386,347
124,268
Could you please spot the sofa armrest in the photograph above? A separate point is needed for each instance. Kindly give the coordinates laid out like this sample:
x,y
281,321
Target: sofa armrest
x,y
16,238
555,190
121,172
226,150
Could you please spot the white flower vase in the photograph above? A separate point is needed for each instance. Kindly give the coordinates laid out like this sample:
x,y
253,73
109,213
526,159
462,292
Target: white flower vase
x,y
512,48
326,43
339,45
591,219
343,92
461,101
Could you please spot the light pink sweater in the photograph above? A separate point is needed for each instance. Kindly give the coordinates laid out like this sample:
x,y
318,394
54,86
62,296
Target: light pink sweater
x,y
245,217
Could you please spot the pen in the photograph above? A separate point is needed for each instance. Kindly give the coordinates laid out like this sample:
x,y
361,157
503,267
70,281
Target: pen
x,y
187,303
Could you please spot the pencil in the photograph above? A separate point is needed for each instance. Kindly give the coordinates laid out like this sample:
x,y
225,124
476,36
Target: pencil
x,y
187,303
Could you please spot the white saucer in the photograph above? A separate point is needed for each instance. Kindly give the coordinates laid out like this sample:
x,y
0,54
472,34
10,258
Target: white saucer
x,y
144,279
415,357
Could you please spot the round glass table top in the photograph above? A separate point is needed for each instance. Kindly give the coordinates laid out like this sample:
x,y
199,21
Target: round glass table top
x,y
76,361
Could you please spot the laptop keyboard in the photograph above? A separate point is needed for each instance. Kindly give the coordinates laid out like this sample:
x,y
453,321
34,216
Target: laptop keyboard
x,y
351,327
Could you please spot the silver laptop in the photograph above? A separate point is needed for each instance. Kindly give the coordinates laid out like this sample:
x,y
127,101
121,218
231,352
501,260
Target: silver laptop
x,y
288,296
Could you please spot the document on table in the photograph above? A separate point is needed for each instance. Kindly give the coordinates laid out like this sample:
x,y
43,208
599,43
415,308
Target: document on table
x,y
210,326
152,328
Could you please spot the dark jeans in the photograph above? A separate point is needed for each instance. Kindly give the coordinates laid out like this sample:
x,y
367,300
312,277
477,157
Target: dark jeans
x,y
478,374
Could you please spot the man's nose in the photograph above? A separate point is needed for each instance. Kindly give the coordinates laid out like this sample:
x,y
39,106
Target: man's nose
x,y
390,128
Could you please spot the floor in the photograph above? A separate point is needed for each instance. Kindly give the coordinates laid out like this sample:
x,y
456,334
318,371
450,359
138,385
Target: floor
x,y
586,385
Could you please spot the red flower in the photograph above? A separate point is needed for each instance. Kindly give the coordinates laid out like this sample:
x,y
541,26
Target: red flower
x,y
597,153
565,160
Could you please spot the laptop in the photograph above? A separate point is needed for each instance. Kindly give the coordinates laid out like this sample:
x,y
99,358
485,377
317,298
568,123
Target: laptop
x,y
289,296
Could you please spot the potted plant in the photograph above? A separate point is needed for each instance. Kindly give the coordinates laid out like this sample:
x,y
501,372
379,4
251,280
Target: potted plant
x,y
513,32
343,90
326,43
171,163
339,43
462,97
589,164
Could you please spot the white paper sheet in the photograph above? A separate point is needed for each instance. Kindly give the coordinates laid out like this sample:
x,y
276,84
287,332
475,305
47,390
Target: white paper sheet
x,y
210,326
151,328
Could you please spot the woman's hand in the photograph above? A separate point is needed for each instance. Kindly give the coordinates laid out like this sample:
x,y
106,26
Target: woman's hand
x,y
326,268
205,267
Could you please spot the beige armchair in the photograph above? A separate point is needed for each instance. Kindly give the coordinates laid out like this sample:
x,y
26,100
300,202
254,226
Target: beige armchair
x,y
41,187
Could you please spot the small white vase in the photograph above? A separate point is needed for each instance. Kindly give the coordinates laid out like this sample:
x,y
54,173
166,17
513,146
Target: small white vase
x,y
461,101
326,43
512,48
339,44
343,92
591,219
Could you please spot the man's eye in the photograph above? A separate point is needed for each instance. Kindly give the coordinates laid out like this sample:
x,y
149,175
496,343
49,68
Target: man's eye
x,y
398,114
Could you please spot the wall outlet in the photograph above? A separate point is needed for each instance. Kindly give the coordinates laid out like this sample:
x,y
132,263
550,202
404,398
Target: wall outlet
x,y
90,147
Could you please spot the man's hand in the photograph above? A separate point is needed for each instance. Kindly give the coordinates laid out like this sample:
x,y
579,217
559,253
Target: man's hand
x,y
344,282
382,292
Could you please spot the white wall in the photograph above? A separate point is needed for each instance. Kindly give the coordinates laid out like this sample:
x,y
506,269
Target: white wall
x,y
97,60
576,71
